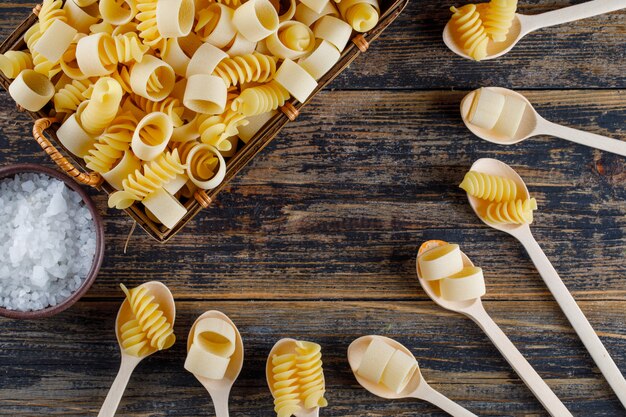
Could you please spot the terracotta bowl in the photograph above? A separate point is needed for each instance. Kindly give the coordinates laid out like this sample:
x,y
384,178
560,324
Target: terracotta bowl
x,y
10,171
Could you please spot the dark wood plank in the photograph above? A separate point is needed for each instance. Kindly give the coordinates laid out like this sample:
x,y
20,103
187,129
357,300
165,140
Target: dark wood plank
x,y
64,366
410,53
338,204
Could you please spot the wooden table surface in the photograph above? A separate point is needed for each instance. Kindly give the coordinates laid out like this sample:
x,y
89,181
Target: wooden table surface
x,y
317,238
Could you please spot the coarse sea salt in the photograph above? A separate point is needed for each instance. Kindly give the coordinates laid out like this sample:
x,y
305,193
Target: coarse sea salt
x,y
47,242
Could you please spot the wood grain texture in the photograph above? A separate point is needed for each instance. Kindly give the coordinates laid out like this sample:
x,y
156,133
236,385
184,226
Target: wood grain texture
x,y
64,366
316,239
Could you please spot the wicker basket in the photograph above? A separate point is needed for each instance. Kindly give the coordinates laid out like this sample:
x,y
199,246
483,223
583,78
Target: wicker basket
x,y
289,112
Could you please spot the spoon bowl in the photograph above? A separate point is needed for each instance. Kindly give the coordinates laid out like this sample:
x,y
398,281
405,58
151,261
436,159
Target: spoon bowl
x,y
494,49
357,349
236,360
527,126
284,346
162,296
495,167
432,287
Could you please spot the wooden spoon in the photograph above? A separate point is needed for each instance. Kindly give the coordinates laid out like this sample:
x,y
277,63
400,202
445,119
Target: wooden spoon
x,y
219,389
417,386
164,298
282,347
524,24
554,283
474,310
533,124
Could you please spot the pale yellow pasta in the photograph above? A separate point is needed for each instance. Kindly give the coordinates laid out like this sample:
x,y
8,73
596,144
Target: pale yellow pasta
x,y
489,187
361,15
112,144
118,12
292,40
170,106
205,166
215,25
260,99
51,10
102,107
122,76
69,64
214,130
511,212
127,48
253,67
68,98
14,62
149,330
148,30
155,174
285,389
469,31
310,374
40,63
498,18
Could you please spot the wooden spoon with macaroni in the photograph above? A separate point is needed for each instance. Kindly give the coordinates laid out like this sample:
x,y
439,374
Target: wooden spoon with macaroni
x,y
474,309
219,389
552,279
416,386
163,297
532,124
525,24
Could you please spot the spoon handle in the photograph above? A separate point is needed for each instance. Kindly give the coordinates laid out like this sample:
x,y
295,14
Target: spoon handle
x,y
583,138
526,372
575,316
573,13
111,402
220,402
427,393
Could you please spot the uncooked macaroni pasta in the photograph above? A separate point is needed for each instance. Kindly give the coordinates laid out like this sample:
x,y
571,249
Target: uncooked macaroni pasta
x,y
201,77
213,344
149,329
298,379
383,364
442,266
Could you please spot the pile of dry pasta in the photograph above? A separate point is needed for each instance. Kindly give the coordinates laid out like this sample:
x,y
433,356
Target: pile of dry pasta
x,y
156,95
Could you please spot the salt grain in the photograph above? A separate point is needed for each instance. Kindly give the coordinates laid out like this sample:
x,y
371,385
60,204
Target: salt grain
x,y
47,242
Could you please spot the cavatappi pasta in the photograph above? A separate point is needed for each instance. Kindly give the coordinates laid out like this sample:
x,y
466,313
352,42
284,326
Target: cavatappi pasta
x,y
298,379
475,26
209,67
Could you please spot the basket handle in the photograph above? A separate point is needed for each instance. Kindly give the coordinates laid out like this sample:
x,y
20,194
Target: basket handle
x,y
92,179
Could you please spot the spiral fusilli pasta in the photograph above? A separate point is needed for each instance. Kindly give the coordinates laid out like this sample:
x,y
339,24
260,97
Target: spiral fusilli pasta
x,y
285,389
498,18
214,130
68,98
102,107
511,212
489,187
253,67
40,63
69,64
470,31
128,48
51,10
155,173
170,106
122,76
310,374
149,322
14,62
112,144
260,99
147,26
134,340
